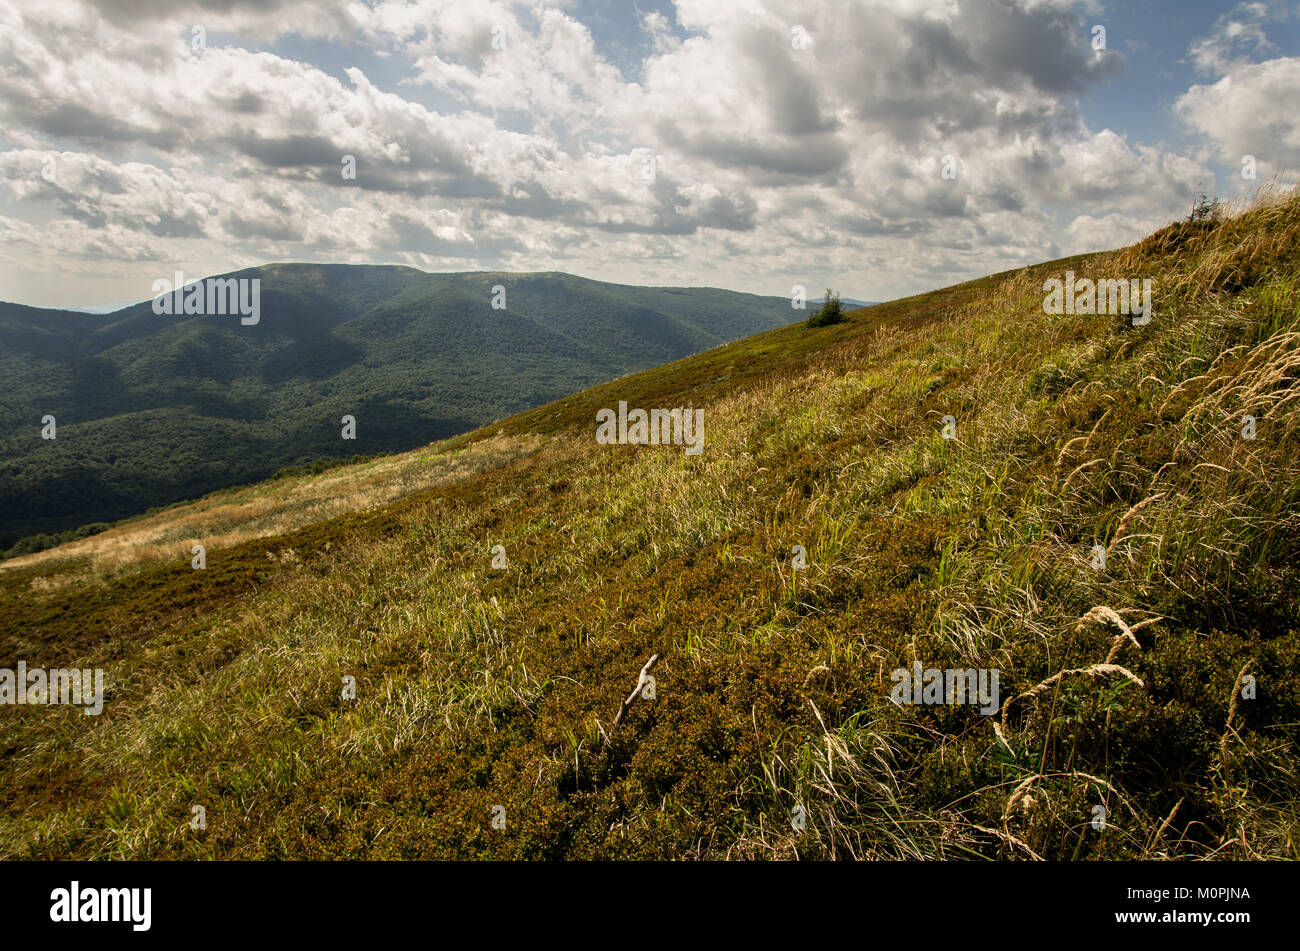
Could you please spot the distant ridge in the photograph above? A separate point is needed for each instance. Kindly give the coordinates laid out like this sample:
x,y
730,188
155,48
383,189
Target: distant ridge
x,y
153,409
850,302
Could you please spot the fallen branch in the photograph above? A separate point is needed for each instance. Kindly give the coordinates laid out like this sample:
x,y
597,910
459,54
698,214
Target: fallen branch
x,y
640,685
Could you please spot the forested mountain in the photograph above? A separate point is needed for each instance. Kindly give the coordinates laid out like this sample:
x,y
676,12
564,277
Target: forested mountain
x,y
153,408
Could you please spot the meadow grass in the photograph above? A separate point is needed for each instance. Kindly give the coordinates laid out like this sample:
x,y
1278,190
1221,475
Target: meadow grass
x,y
1121,686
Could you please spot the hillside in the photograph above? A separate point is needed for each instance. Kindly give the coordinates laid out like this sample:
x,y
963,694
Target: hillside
x,y
153,409
1104,530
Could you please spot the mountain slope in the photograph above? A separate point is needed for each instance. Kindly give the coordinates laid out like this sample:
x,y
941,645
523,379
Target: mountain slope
x,y
1159,681
413,356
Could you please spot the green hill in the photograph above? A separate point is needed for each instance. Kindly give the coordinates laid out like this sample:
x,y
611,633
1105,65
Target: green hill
x,y
153,409
1107,515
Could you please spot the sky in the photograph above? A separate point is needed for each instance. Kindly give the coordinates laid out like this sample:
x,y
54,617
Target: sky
x,y
879,148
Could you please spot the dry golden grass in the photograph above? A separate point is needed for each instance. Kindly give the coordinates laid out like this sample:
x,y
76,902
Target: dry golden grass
x,y
232,516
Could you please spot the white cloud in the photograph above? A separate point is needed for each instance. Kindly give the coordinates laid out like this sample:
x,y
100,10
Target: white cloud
x,y
1250,111
774,162
1239,36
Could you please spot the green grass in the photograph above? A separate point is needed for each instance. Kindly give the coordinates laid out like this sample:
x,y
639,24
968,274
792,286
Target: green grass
x,y
478,687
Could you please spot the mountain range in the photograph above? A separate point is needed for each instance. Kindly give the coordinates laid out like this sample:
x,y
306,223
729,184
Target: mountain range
x,y
150,409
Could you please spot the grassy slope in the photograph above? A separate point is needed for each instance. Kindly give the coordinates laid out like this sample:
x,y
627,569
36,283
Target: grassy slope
x,y
478,687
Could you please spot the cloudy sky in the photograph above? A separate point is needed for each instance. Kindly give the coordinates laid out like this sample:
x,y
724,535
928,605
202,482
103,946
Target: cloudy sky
x,y
881,146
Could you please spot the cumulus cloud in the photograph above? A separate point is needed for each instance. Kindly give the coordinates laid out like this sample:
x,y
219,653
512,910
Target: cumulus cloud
x,y
1239,36
1248,114
755,143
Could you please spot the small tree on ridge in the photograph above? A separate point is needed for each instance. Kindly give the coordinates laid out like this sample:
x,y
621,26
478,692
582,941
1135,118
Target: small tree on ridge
x,y
830,312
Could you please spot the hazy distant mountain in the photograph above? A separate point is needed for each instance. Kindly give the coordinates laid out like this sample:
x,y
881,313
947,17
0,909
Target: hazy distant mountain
x,y
151,409
849,302
98,308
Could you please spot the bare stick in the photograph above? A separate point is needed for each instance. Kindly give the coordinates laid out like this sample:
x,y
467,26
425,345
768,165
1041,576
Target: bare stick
x,y
640,685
